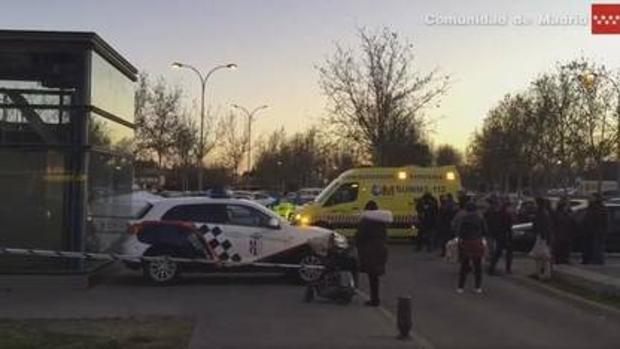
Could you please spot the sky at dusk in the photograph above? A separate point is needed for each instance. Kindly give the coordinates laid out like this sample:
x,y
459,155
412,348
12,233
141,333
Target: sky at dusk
x,y
278,43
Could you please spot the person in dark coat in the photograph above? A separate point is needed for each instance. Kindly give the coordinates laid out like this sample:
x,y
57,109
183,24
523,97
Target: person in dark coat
x,y
594,228
543,225
499,222
471,231
370,240
458,215
563,232
426,209
447,211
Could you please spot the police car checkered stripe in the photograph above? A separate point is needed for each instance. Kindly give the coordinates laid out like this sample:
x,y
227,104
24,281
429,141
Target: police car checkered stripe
x,y
219,244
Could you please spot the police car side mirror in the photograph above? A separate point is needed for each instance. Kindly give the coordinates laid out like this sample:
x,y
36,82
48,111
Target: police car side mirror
x,y
273,223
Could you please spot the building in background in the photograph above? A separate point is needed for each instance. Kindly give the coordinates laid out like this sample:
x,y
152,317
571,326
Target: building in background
x,y
66,134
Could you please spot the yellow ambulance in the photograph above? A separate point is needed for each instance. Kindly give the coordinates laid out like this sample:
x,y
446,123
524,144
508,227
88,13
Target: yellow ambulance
x,y
393,188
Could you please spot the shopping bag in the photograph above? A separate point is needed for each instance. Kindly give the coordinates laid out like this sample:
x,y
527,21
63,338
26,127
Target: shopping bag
x,y
540,250
485,245
452,250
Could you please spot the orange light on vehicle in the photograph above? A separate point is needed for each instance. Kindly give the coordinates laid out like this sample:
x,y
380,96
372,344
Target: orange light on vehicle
x,y
305,220
402,175
450,176
134,229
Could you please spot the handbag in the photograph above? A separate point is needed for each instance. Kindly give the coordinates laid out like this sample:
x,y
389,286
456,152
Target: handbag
x,y
540,250
452,250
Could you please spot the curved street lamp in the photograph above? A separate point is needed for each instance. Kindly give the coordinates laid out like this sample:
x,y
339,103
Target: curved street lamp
x,y
203,83
250,115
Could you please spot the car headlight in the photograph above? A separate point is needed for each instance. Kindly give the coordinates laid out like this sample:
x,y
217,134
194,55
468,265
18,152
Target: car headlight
x,y
340,241
301,219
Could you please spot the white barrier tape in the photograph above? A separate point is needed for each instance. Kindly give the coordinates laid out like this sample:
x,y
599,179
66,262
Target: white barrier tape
x,y
121,257
523,226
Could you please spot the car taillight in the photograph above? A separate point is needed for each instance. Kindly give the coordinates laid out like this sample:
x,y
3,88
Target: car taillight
x,y
134,229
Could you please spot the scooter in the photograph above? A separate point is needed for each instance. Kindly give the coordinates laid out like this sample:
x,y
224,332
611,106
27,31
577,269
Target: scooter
x,y
338,281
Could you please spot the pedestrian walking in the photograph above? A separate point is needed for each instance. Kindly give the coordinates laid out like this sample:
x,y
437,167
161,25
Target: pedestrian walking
x,y
563,232
542,229
472,230
426,209
458,216
370,240
446,214
499,222
594,227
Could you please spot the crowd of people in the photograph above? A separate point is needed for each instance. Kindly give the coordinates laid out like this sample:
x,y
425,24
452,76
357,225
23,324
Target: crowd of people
x,y
490,231
487,232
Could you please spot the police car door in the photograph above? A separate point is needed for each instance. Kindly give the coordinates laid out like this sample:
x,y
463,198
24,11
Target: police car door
x,y
252,234
211,220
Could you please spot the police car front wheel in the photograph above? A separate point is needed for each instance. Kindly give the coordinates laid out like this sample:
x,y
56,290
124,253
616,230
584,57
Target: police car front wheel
x,y
161,271
309,275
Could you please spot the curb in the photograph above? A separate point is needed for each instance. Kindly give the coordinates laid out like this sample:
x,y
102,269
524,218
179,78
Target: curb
x,y
575,300
416,338
589,279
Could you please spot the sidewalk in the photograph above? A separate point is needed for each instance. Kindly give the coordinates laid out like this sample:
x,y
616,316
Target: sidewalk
x,y
230,311
598,283
314,325
602,279
598,278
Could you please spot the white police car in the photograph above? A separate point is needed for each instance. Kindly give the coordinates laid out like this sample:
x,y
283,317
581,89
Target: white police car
x,y
226,230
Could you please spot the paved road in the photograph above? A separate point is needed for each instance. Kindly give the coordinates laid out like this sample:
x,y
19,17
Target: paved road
x,y
507,315
231,311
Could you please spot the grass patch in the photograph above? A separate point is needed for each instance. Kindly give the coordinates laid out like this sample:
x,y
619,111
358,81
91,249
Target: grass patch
x,y
603,298
115,333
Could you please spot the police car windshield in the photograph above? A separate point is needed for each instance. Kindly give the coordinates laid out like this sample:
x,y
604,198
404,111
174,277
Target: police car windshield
x,y
327,191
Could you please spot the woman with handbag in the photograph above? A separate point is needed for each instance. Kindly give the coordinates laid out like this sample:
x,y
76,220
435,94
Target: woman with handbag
x,y
471,232
542,229
370,240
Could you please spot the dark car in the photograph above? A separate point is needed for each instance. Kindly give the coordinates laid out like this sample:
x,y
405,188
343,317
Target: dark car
x,y
523,235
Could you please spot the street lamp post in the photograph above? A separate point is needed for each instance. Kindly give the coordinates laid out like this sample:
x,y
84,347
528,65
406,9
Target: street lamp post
x,y
589,79
250,115
203,83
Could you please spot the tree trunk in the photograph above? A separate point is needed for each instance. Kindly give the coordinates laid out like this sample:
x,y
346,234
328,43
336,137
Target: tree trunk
x,y
599,184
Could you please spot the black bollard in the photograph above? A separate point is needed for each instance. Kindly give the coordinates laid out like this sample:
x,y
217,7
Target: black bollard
x,y
309,294
404,321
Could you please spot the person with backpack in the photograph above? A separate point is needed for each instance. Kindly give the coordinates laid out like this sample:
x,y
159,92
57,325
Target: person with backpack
x,y
471,232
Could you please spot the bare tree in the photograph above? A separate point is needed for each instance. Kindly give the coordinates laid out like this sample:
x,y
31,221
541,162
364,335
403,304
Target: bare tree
x,y
185,147
233,143
598,123
565,123
448,155
159,117
305,158
142,100
377,99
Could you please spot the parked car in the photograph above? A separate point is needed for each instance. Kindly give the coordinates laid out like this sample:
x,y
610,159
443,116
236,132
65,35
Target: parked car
x,y
263,198
243,194
308,194
260,197
222,230
562,192
523,235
